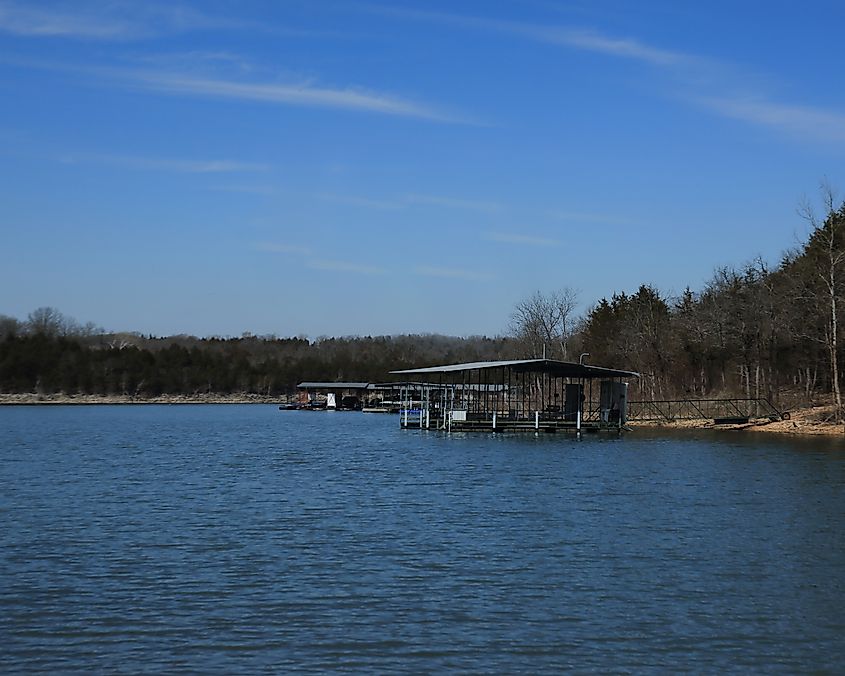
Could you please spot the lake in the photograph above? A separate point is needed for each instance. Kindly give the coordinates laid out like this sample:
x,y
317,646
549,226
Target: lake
x,y
242,538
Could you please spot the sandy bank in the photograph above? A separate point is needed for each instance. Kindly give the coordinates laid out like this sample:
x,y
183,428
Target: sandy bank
x,y
802,421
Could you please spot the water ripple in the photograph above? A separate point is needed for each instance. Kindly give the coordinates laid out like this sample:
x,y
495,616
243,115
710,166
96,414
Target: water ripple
x,y
241,539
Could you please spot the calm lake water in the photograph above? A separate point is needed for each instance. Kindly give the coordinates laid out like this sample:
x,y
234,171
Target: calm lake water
x,y
242,538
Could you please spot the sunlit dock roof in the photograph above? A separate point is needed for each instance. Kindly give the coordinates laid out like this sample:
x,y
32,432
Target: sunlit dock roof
x,y
561,369
332,386
353,386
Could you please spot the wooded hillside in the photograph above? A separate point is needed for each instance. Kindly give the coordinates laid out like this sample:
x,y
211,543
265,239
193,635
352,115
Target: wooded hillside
x,y
751,331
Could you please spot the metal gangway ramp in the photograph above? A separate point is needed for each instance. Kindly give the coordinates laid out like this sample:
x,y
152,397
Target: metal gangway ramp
x,y
735,410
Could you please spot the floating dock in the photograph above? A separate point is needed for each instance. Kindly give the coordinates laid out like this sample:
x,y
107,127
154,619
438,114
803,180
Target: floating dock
x,y
349,396
525,395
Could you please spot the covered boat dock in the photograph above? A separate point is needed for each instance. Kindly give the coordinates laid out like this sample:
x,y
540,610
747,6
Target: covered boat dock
x,y
516,395
349,396
332,395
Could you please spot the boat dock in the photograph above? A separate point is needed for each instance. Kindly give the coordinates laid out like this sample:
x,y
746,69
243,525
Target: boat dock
x,y
529,395
348,396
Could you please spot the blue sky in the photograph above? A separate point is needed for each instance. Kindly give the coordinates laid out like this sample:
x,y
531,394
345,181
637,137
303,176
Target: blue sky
x,y
334,168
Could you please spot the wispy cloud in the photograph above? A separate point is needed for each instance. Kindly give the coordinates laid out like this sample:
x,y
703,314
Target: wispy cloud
x,y
20,19
275,247
94,20
365,202
305,94
195,61
296,94
166,164
452,273
247,189
587,40
593,41
344,266
695,80
404,201
528,240
583,217
803,121
452,202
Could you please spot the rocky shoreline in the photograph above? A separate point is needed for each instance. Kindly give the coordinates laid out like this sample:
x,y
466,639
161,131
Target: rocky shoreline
x,y
802,422
33,399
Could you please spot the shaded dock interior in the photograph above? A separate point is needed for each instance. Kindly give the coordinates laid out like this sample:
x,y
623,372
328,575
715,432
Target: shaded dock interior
x,y
515,395
350,396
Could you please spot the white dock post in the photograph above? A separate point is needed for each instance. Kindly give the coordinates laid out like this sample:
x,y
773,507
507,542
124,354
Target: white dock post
x,y
578,421
494,420
536,420
427,419
403,409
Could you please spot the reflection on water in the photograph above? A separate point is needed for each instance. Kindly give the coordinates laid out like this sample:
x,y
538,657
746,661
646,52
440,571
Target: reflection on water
x,y
239,538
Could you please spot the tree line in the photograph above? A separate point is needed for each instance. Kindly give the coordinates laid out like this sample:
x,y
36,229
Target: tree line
x,y
57,357
752,330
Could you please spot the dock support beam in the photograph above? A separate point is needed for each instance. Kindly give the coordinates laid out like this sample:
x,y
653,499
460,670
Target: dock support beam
x,y
536,420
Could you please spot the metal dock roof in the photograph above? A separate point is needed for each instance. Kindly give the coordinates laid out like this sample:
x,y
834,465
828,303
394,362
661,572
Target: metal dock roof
x,y
562,369
332,386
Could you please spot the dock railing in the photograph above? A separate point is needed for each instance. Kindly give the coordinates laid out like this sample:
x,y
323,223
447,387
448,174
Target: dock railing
x,y
702,409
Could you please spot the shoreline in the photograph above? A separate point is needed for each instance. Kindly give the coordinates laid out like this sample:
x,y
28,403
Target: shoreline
x,y
32,399
802,421
800,424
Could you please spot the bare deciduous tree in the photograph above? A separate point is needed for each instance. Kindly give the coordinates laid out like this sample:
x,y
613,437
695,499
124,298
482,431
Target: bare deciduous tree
x,y
47,321
544,323
825,288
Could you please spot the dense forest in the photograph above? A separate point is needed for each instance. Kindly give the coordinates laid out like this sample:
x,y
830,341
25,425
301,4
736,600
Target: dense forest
x,y
755,331
751,331
54,356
